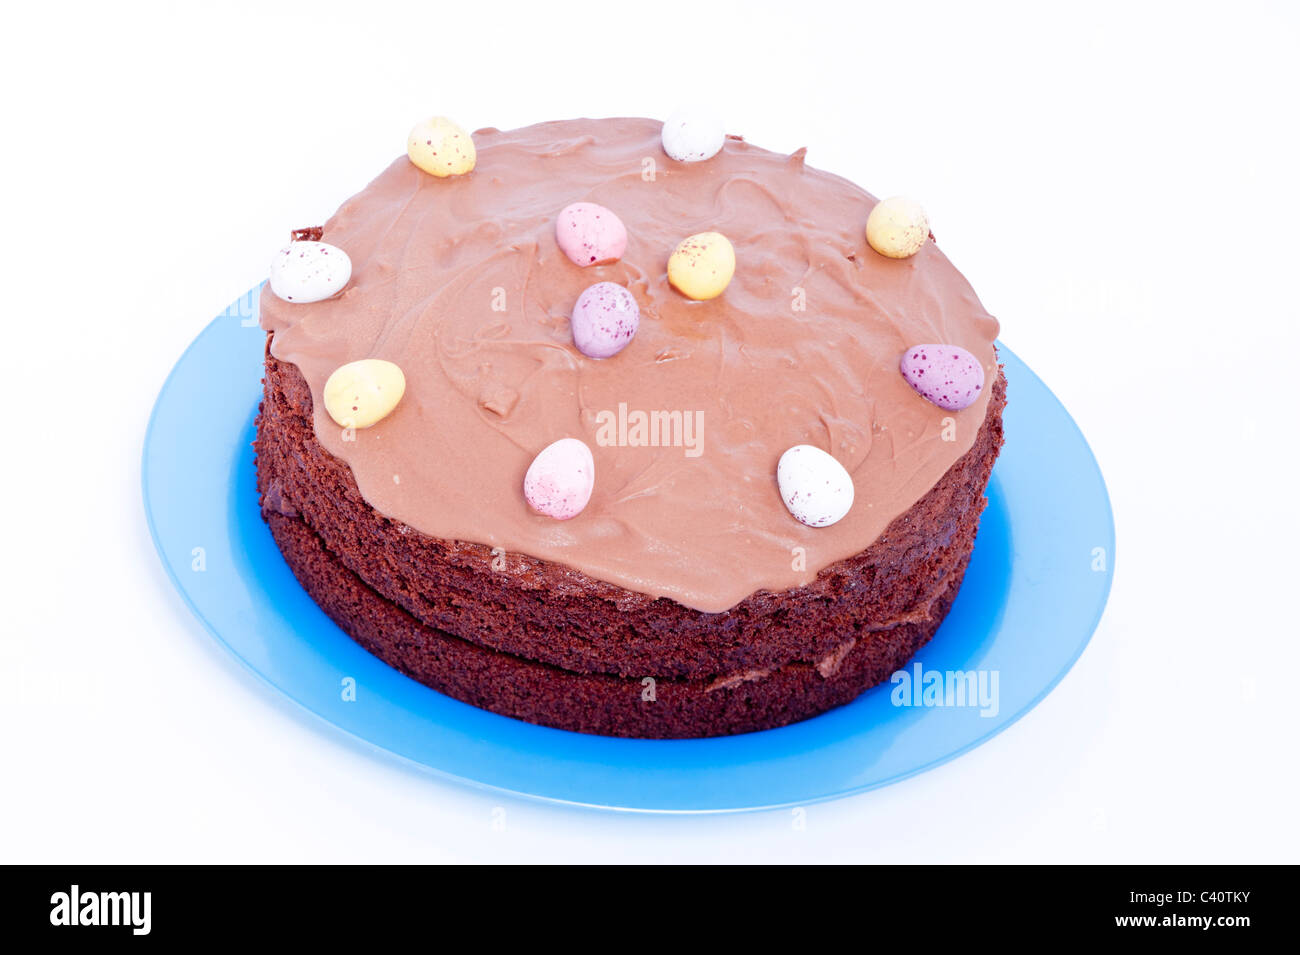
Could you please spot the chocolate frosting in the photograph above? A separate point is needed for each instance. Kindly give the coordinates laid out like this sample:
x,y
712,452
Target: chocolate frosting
x,y
460,282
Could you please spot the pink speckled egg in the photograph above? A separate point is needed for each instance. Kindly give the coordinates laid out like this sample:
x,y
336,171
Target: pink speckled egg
x,y
590,234
560,479
945,375
604,320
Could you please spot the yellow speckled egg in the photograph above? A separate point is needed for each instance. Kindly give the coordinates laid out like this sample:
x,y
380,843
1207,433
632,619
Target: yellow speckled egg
x,y
897,227
363,392
702,265
441,148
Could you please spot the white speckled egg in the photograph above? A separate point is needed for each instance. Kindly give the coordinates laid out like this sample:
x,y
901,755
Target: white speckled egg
x,y
304,272
815,487
693,135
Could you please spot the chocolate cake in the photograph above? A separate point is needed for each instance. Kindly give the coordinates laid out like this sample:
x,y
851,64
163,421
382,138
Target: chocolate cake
x,y
685,598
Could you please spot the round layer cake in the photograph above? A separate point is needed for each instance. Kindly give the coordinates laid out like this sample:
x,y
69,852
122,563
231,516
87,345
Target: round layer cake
x,y
684,599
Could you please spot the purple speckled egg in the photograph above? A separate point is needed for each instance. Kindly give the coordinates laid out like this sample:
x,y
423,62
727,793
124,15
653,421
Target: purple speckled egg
x,y
604,320
944,375
590,234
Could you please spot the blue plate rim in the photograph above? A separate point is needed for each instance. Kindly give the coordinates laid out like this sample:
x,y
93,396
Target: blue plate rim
x,y
493,788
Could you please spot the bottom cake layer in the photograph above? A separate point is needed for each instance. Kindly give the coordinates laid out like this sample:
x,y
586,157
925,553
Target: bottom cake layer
x,y
644,707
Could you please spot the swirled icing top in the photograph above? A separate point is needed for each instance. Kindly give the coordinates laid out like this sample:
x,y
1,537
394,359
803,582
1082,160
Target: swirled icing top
x,y
461,283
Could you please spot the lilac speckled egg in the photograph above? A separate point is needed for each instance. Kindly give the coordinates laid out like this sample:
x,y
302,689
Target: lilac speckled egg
x,y
590,234
945,375
560,479
604,320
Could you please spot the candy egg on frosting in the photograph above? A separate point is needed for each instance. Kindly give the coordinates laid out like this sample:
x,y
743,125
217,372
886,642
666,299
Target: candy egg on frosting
x,y
305,272
441,148
693,135
815,487
590,234
897,227
702,265
944,375
559,482
604,320
362,393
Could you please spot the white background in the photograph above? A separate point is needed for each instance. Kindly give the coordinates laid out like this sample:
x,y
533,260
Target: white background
x,y
1118,182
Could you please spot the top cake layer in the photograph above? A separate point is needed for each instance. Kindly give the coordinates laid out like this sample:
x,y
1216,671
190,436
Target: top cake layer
x,y
460,282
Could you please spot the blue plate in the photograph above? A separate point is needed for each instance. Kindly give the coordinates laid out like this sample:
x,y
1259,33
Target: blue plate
x,y
1033,594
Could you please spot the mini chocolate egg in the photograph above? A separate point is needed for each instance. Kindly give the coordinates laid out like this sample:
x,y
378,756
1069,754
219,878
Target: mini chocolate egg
x,y
441,148
815,487
590,234
304,272
558,483
702,265
362,393
604,320
944,375
897,227
693,135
